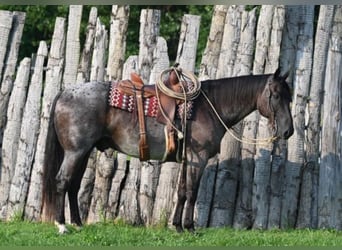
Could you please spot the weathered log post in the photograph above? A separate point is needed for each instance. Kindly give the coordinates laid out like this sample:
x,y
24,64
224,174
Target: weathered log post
x,y
72,50
12,131
308,214
18,201
330,174
11,30
83,71
117,41
296,154
6,18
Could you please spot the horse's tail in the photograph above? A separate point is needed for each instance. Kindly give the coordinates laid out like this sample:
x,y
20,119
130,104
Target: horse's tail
x,y
53,157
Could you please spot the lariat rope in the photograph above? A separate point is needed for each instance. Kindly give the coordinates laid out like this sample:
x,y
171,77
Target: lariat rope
x,y
185,95
192,94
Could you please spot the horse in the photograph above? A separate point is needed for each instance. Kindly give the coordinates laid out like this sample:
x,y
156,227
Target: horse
x,y
81,119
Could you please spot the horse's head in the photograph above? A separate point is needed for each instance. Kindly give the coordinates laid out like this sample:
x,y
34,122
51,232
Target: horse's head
x,y
274,103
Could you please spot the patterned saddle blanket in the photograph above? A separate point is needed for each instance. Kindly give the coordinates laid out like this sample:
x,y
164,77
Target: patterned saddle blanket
x,y
120,100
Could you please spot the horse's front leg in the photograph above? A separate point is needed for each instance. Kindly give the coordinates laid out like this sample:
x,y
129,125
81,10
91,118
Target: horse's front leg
x,y
181,198
195,167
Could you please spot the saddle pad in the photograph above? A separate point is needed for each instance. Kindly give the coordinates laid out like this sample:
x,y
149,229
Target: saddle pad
x,y
120,100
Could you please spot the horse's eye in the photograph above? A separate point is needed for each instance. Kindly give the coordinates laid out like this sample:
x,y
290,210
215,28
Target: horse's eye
x,y
276,96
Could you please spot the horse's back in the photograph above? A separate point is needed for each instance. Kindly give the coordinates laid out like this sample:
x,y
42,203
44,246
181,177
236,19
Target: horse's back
x,y
80,114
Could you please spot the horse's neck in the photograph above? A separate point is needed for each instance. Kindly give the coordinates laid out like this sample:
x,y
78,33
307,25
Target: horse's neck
x,y
233,107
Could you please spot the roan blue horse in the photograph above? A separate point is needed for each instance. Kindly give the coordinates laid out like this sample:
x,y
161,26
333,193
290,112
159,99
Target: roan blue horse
x,y
81,119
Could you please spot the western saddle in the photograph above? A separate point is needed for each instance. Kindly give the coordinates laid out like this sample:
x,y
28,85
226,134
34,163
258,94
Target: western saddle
x,y
167,107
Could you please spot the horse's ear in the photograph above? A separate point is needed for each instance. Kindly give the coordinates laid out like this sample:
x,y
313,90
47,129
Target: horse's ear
x,y
286,74
276,74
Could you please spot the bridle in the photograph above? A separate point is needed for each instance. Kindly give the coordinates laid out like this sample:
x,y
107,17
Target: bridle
x,y
272,119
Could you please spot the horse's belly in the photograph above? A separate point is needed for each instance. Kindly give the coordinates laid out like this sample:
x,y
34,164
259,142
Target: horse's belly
x,y
125,133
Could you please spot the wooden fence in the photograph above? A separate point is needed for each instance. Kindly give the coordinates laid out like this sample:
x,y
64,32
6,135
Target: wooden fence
x,y
290,184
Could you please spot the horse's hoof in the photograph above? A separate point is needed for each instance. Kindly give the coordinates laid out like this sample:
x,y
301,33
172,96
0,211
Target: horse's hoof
x,y
77,227
179,229
61,228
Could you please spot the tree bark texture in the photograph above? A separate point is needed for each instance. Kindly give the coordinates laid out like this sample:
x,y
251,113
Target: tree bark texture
x,y
295,161
83,71
18,199
188,39
307,215
330,177
117,41
72,51
12,132
6,18
148,34
9,63
212,50
231,38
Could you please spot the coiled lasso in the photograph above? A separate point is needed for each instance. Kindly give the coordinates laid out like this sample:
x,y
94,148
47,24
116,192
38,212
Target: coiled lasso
x,y
190,85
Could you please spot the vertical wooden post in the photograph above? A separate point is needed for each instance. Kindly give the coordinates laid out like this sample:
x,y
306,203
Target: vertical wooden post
x,y
117,41
11,36
6,18
27,141
211,53
330,174
308,214
295,161
12,131
187,46
72,51
83,71
148,34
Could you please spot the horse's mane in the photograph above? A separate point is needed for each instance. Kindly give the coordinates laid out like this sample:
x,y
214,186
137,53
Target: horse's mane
x,y
241,88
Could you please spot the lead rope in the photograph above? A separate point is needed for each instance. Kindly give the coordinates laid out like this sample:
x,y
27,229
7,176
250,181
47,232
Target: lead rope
x,y
252,141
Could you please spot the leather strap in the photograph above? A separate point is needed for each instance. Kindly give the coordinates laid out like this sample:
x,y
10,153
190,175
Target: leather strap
x,y
144,153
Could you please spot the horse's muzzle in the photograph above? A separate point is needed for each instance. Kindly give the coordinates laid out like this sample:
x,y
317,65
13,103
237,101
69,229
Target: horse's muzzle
x,y
287,134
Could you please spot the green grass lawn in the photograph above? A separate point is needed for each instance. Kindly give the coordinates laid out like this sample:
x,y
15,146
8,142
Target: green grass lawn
x,y
108,234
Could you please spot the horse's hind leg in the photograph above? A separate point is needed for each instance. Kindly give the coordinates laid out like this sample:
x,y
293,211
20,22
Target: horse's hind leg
x,y
74,187
70,166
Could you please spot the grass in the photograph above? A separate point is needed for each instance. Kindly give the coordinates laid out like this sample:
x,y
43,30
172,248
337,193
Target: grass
x,y
109,234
